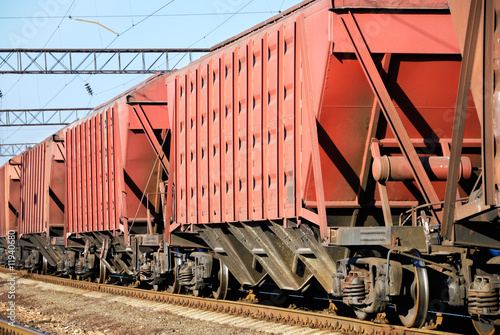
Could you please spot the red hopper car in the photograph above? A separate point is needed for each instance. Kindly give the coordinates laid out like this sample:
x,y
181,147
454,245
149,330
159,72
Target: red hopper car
x,y
345,145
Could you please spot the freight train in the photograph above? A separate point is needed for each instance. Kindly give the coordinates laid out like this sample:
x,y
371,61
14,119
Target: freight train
x,y
350,145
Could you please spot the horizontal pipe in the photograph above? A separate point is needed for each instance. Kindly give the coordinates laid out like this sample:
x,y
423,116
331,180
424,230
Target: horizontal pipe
x,y
419,142
397,168
355,204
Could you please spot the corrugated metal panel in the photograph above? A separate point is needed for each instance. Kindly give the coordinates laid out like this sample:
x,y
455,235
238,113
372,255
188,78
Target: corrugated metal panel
x,y
42,189
9,197
93,193
110,162
33,183
235,132
258,135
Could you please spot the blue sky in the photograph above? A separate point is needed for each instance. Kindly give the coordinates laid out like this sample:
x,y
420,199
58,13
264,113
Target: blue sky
x,y
29,24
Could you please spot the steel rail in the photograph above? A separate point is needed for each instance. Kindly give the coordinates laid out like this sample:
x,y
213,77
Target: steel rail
x,y
316,320
15,329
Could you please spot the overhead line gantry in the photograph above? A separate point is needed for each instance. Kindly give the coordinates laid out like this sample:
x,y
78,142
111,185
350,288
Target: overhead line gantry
x,y
91,61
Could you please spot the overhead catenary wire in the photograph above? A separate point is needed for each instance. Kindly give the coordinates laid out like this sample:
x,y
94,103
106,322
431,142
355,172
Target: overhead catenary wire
x,y
45,45
141,15
145,17
211,31
281,6
204,37
48,40
77,76
128,29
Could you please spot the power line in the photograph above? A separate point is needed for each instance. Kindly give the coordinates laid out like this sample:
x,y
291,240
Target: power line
x,y
154,14
223,22
138,15
67,84
281,6
52,35
214,29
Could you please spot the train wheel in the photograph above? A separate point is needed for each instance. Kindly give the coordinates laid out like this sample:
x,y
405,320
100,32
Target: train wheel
x,y
220,284
45,266
102,272
197,293
173,285
364,316
484,328
412,310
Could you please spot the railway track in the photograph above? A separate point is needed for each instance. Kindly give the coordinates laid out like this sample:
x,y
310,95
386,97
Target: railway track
x,y
317,320
7,329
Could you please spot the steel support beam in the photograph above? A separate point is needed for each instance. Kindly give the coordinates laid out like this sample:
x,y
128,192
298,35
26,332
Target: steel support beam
x,y
460,116
41,116
10,150
313,130
367,158
89,61
488,134
363,54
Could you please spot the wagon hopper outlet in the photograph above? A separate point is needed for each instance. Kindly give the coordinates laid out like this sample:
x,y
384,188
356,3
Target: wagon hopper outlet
x,y
344,145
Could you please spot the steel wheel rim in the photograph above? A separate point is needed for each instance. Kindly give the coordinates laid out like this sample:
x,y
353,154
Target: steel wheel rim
x,y
484,328
360,315
44,265
173,286
223,282
416,315
102,272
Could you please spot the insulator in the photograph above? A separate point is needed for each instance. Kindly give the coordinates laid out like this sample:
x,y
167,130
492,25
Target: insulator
x,y
1,94
89,89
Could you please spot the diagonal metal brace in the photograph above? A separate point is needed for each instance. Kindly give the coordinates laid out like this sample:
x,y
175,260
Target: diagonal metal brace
x,y
148,129
379,89
464,85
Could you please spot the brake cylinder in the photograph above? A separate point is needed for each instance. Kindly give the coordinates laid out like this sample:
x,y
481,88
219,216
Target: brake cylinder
x,y
398,168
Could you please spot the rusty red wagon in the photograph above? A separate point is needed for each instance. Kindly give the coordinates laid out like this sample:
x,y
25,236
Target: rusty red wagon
x,y
9,204
347,145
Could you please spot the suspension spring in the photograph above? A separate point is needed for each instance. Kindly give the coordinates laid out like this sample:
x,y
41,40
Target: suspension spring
x,y
481,302
185,275
145,271
79,266
60,264
356,292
